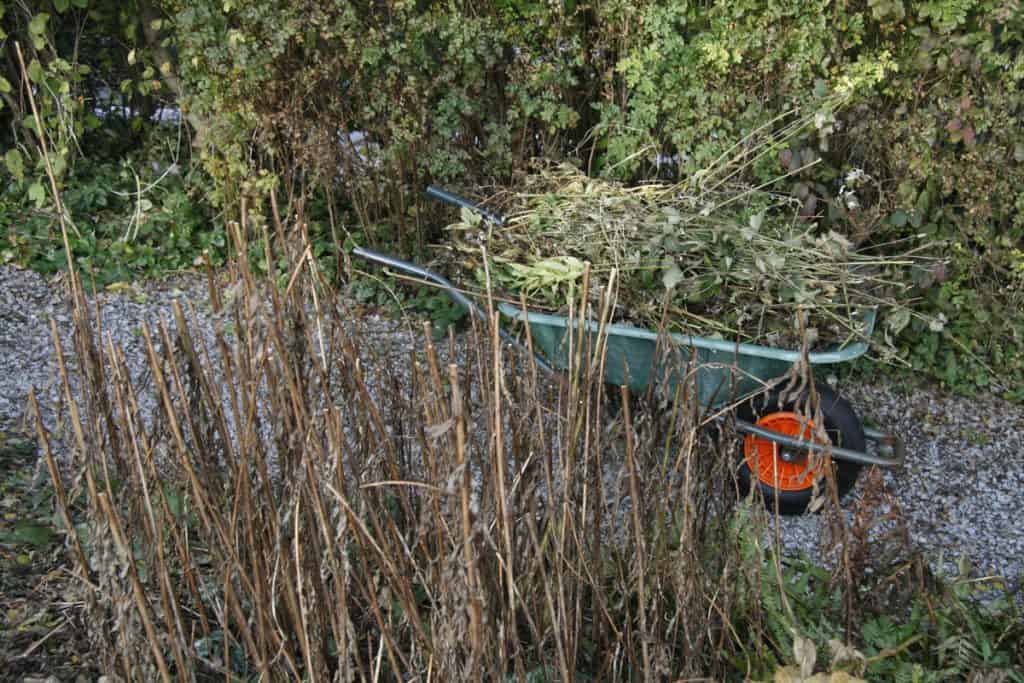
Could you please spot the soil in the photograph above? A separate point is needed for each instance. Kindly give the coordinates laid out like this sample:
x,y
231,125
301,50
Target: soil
x,y
41,635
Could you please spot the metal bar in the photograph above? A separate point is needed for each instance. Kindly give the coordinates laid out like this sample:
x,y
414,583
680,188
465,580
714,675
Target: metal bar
x,y
457,296
887,443
454,199
861,457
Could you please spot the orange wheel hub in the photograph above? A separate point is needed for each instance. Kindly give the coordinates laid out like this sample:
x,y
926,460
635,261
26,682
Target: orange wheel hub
x,y
780,466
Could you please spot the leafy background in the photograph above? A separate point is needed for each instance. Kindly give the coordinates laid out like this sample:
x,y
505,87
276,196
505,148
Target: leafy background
x,y
464,94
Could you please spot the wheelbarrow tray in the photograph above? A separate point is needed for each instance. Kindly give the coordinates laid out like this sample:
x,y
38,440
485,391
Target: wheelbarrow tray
x,y
724,370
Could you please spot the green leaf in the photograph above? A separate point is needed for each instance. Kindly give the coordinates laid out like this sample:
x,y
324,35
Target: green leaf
x,y
37,194
470,217
80,4
898,320
61,5
60,164
672,276
37,30
35,71
15,164
5,85
756,220
37,26
33,533
898,219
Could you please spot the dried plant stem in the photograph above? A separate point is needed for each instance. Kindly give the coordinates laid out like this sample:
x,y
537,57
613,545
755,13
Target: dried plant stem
x,y
465,483
138,591
309,507
638,530
58,485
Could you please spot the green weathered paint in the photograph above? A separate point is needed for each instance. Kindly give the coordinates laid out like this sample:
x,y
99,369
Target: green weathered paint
x,y
724,369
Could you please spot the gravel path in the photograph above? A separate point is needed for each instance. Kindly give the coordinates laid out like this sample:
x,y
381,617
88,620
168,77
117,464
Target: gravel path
x,y
961,486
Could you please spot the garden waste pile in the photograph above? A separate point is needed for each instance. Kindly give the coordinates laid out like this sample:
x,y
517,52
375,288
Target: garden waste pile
x,y
708,256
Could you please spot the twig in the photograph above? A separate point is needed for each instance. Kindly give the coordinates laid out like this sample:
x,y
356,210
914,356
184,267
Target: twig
x,y
32,648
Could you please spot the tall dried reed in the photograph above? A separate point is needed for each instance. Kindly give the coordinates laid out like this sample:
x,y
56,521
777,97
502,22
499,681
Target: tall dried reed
x,y
295,508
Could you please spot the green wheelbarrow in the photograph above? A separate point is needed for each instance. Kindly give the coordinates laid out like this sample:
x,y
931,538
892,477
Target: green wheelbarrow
x,y
777,441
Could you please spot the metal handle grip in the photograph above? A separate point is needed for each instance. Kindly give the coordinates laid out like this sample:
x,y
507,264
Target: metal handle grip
x,y
455,200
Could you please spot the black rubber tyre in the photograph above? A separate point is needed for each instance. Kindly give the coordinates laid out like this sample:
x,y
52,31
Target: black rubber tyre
x,y
843,427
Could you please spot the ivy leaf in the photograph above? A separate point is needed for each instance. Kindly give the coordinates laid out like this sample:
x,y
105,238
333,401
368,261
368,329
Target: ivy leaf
x,y
15,164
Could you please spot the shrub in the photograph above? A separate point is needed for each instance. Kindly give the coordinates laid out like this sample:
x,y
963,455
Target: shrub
x,y
352,108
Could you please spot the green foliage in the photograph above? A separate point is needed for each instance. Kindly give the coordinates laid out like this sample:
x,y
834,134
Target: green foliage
x,y
935,102
440,93
949,630
134,205
949,635
422,300
121,234
464,93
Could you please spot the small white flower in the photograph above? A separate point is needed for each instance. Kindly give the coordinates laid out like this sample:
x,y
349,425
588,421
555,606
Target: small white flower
x,y
855,176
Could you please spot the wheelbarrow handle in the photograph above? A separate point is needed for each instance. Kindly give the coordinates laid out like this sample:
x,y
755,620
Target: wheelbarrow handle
x,y
450,289
455,200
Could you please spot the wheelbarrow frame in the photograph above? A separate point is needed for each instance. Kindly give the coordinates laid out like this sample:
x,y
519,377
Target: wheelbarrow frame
x,y
717,361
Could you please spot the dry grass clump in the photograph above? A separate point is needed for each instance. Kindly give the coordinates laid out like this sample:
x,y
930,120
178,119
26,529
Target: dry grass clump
x,y
295,510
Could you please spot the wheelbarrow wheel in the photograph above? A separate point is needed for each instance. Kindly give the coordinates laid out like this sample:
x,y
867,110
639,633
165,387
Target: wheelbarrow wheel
x,y
778,470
